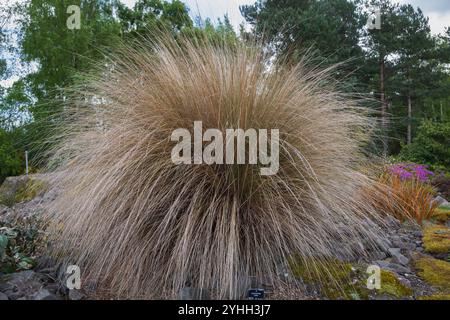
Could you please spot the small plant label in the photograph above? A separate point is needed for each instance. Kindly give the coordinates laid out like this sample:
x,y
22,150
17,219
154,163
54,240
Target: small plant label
x,y
256,294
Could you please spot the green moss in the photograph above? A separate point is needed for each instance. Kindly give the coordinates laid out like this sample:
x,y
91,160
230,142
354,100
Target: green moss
x,y
392,286
436,239
435,272
441,214
30,190
314,270
339,280
439,296
336,279
7,200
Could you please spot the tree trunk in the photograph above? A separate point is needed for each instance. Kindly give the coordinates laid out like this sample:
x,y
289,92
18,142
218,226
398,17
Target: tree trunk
x,y
383,106
442,113
433,114
409,119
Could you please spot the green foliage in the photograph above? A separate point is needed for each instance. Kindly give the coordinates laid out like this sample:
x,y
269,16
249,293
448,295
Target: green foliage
x,y
14,106
20,243
11,160
222,33
413,60
148,15
330,28
60,54
430,146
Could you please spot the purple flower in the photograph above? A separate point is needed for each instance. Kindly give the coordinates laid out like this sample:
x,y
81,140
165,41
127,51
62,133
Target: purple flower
x,y
408,171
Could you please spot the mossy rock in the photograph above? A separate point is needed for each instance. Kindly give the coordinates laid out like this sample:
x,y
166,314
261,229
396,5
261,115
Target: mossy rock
x,y
434,271
340,280
333,277
31,190
438,296
21,188
391,285
436,239
9,189
441,214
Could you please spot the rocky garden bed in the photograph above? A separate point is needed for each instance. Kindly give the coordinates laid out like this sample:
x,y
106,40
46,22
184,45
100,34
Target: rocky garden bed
x,y
414,265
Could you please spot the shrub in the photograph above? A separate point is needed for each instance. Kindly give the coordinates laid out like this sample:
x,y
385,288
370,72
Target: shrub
x,y
430,146
143,226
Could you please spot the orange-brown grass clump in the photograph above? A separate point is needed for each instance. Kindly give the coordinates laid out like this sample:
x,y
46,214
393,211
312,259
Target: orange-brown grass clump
x,y
405,199
144,227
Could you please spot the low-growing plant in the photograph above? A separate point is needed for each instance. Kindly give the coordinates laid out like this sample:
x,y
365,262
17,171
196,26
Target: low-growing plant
x,y
20,243
403,196
408,171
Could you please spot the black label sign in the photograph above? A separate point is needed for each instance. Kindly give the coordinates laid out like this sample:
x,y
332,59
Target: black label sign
x,y
256,294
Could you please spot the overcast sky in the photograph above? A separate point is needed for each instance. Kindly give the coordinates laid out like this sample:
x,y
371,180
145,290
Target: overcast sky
x,y
437,10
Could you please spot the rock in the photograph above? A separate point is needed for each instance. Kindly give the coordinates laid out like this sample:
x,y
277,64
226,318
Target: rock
x,y
75,295
44,294
45,264
10,187
404,282
397,268
20,284
397,257
378,255
3,296
5,213
404,243
383,264
418,233
3,209
53,288
392,222
441,201
400,259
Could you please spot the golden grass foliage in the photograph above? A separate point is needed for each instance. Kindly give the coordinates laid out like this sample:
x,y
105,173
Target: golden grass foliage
x,y
409,199
144,227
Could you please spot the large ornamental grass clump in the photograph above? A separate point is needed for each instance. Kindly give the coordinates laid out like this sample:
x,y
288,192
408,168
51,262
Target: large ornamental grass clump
x,y
142,226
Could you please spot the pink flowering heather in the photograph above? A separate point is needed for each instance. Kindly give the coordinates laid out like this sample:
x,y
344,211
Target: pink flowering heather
x,y
408,171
